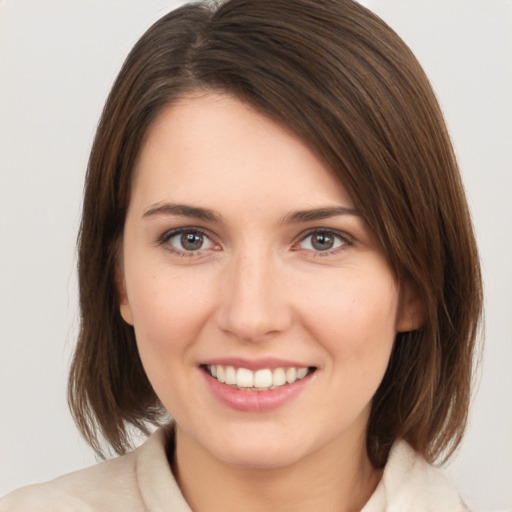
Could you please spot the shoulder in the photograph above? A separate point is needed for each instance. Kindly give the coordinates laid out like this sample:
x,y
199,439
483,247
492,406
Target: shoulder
x,y
111,482
410,483
116,485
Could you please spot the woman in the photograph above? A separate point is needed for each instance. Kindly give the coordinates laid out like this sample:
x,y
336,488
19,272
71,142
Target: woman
x,y
276,252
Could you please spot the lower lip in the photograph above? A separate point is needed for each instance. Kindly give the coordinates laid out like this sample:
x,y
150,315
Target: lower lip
x,y
255,401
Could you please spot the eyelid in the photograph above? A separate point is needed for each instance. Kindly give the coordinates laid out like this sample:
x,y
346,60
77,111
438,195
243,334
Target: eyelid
x,y
171,233
344,237
166,235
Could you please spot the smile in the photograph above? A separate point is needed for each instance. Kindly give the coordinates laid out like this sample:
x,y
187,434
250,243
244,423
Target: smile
x,y
265,379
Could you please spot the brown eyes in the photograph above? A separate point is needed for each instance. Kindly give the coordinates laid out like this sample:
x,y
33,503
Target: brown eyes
x,y
322,241
187,240
191,241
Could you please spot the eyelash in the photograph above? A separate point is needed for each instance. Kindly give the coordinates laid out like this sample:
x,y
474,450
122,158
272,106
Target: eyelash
x,y
167,236
345,240
339,236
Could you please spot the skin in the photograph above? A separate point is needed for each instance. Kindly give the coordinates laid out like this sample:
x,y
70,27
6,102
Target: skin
x,y
257,288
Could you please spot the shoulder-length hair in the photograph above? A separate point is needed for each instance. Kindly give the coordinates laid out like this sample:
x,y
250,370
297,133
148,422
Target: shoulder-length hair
x,y
342,80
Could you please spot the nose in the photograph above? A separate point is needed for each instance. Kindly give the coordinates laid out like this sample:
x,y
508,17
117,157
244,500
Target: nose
x,y
253,301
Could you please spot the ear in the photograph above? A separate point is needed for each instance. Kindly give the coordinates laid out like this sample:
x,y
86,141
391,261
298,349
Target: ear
x,y
124,305
411,313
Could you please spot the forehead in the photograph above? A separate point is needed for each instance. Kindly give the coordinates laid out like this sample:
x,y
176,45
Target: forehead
x,y
212,148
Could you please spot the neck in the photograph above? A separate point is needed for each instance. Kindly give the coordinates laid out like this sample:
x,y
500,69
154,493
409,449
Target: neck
x,y
336,478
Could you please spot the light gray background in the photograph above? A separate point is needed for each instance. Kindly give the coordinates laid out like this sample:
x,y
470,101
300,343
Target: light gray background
x,y
58,59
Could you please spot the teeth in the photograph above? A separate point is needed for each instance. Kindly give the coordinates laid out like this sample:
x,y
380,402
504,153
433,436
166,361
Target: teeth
x,y
291,375
259,380
279,377
263,379
244,378
301,373
230,375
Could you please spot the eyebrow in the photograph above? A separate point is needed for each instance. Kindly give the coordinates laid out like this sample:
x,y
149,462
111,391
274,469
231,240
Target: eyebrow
x,y
205,214
318,214
183,210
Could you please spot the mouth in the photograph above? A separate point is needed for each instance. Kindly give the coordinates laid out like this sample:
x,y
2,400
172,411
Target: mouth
x,y
264,379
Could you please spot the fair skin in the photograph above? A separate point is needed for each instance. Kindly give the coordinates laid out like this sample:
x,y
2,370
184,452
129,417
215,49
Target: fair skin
x,y
242,250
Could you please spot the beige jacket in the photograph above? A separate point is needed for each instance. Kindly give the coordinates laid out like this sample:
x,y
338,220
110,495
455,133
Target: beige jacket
x,y
142,481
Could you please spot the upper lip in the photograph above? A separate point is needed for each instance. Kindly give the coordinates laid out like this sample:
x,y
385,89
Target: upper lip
x,y
255,364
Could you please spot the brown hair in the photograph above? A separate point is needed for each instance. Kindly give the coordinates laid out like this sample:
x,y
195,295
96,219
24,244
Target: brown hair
x,y
347,84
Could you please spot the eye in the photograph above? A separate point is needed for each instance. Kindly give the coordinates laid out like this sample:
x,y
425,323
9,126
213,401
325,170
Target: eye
x,y
187,240
322,241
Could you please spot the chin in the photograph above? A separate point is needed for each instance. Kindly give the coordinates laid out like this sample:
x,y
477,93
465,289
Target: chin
x,y
260,458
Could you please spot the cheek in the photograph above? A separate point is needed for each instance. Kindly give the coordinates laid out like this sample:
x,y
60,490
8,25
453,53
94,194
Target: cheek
x,y
355,319
169,311
168,315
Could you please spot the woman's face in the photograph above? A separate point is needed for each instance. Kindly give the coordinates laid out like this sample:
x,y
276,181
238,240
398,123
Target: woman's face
x,y
244,261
